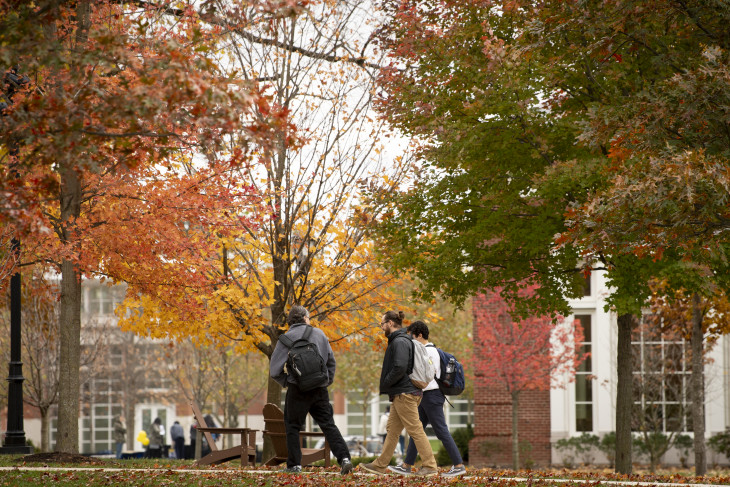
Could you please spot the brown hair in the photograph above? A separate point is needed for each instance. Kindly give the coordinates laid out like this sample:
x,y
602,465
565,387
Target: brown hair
x,y
394,316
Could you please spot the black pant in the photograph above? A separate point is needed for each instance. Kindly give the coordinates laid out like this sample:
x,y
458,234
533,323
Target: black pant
x,y
179,448
317,403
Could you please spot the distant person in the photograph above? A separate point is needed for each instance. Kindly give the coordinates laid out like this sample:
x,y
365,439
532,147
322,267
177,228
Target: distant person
x,y
404,397
177,434
154,449
193,435
314,400
119,434
431,411
383,429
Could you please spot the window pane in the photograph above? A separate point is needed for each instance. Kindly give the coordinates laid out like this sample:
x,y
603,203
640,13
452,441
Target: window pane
x,y
585,321
583,388
586,365
583,417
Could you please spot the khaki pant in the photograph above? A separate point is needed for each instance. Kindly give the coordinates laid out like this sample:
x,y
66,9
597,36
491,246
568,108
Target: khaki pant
x,y
404,413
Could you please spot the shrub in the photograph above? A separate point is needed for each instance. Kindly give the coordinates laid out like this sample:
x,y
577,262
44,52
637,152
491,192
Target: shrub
x,y
607,446
582,446
684,444
461,438
720,443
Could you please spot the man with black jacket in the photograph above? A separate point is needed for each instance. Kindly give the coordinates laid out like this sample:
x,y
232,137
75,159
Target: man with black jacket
x,y
404,397
315,401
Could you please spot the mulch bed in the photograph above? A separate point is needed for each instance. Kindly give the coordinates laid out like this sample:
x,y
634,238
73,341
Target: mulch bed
x,y
60,457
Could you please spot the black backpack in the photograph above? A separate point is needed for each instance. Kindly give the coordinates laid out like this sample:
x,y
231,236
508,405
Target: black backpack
x,y
305,363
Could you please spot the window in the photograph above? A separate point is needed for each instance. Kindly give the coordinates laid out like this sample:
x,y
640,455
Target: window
x,y
102,299
583,379
661,380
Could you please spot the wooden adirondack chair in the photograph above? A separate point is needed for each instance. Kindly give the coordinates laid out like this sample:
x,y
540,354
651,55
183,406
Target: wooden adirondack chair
x,y
246,451
275,429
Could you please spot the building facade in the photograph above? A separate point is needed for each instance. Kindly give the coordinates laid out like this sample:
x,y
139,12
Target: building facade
x,y
586,405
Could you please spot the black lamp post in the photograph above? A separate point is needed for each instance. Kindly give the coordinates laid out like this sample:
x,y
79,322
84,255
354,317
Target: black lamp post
x,y
14,441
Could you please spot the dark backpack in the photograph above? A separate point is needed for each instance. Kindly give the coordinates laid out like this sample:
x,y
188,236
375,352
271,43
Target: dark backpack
x,y
451,381
305,363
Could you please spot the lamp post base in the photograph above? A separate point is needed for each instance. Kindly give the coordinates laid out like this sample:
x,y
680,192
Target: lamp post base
x,y
16,450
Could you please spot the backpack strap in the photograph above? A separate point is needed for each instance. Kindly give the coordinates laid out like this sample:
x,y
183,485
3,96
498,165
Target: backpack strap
x,y
288,342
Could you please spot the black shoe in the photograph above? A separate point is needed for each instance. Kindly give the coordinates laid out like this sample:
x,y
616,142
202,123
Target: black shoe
x,y
346,466
294,469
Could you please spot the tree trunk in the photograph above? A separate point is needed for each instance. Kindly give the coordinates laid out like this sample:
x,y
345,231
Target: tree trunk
x,y
624,394
697,387
67,438
515,433
45,430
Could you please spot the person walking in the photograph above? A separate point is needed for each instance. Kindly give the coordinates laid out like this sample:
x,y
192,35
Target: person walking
x,y
314,401
404,397
154,449
431,411
177,434
120,434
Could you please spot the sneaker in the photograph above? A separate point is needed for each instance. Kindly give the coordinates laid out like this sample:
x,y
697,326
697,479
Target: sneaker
x,y
455,472
426,472
400,469
346,466
372,468
294,469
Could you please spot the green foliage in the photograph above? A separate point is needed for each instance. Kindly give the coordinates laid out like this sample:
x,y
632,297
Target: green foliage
x,y
461,436
583,446
607,446
720,442
684,444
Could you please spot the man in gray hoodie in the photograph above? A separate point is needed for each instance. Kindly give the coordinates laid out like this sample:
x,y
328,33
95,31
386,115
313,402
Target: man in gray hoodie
x,y
314,401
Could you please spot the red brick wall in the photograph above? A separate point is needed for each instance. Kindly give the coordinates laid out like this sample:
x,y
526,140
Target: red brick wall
x,y
492,442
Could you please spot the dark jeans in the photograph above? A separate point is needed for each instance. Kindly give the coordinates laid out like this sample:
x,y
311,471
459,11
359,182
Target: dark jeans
x,y
317,403
431,411
179,448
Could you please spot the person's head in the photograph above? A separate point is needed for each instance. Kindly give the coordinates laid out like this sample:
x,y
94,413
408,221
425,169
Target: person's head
x,y
298,314
176,422
391,321
418,329
157,421
387,409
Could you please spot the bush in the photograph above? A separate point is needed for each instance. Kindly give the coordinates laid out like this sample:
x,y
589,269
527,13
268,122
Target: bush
x,y
720,443
582,446
684,444
607,446
461,438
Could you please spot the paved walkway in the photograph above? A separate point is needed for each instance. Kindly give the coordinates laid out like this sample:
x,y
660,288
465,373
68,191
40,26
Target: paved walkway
x,y
232,471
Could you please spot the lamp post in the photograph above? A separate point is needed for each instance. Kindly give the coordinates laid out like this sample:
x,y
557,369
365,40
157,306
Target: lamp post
x,y
14,441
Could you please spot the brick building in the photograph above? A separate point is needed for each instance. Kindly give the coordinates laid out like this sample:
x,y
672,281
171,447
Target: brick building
x,y
587,403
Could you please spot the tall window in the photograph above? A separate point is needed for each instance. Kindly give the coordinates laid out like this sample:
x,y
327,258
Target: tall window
x,y
661,380
583,379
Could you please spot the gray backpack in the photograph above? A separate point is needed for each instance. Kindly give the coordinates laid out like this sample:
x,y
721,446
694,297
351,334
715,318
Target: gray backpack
x,y
422,370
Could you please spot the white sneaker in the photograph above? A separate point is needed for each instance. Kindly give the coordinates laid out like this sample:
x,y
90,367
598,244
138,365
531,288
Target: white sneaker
x,y
454,472
400,469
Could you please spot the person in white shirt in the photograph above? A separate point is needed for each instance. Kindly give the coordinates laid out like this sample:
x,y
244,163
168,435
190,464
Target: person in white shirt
x,y
431,411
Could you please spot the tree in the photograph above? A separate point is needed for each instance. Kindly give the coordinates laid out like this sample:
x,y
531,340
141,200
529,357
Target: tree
x,y
524,354
482,95
311,247
105,142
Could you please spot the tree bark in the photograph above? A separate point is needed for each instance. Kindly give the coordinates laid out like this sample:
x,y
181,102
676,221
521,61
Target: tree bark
x,y
697,387
45,429
515,432
624,393
67,437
